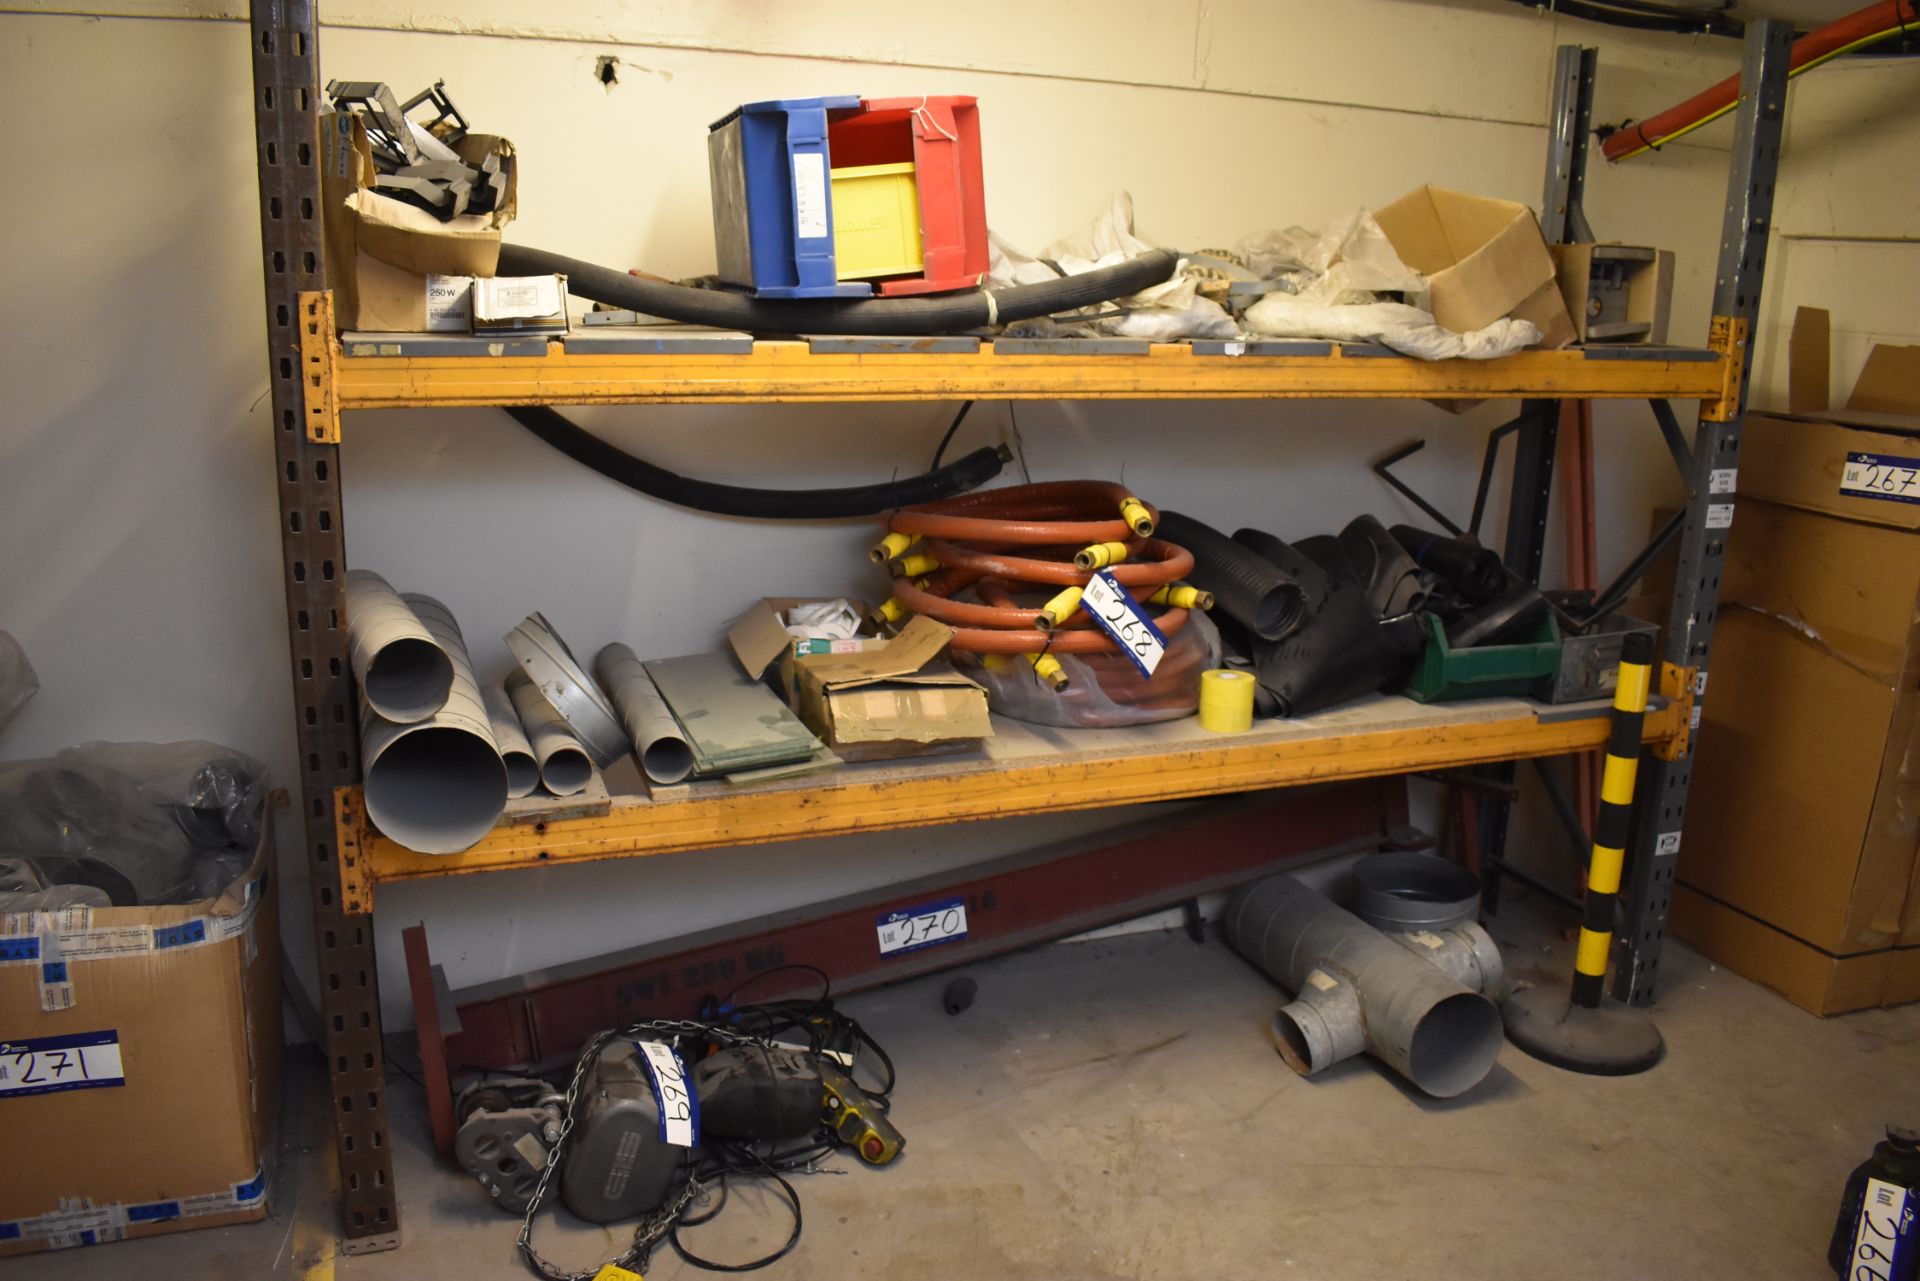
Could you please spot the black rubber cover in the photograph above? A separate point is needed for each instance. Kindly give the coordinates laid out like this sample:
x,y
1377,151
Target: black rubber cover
x,y
931,314
1473,571
1343,650
1261,596
1394,583
587,449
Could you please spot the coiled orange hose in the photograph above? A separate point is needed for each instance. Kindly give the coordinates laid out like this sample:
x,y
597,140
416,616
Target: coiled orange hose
x,y
973,537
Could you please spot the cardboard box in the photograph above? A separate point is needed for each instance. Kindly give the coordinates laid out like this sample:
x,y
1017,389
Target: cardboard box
x,y
394,268
867,697
1800,866
1483,259
893,700
1616,293
148,1106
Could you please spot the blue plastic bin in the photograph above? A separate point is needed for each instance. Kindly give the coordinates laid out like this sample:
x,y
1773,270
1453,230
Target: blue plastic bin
x,y
772,200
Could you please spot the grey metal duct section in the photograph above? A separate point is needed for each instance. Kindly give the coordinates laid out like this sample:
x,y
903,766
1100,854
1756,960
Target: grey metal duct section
x,y
567,689
401,670
1356,989
523,771
436,785
565,767
658,743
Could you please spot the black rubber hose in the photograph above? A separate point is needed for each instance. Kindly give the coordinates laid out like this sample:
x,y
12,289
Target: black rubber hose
x,y
1342,652
1249,588
1473,571
970,472
932,314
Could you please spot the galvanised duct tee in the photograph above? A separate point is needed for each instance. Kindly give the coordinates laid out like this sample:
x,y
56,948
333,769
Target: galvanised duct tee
x,y
436,785
402,671
1358,990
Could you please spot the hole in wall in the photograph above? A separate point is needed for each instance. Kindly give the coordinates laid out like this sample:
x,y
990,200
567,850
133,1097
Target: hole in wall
x,y
606,69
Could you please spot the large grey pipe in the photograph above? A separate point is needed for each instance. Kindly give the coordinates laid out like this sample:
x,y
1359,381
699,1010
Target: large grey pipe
x,y
523,771
402,671
437,785
659,744
1355,989
564,765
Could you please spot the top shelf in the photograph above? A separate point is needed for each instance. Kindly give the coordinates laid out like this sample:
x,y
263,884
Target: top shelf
x,y
390,376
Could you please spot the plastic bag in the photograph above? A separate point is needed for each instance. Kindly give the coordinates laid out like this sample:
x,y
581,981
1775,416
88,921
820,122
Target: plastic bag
x,y
1172,693
1408,330
136,822
17,681
1349,263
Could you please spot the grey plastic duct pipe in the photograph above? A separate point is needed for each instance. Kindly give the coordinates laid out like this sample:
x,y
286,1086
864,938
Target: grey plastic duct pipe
x,y
402,671
564,765
659,744
566,688
523,772
1358,990
436,785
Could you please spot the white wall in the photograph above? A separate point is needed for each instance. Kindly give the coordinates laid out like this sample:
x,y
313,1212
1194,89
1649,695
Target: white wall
x,y
138,555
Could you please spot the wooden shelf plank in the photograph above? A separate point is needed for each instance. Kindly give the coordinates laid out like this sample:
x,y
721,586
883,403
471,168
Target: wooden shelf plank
x,y
775,372
1025,769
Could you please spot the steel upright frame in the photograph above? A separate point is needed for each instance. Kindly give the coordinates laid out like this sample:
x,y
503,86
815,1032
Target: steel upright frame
x,y
1747,222
285,105
303,352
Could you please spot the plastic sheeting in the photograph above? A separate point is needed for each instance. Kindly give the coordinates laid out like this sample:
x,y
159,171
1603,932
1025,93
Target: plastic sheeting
x,y
127,824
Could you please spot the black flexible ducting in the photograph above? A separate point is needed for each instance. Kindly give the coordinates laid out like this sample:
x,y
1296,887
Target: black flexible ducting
x,y
970,472
1246,586
1343,650
931,314
1476,573
1393,582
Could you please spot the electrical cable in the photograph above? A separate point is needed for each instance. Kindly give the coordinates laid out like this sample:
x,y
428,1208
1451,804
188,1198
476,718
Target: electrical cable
x,y
723,1159
917,316
1637,15
1859,30
852,502
947,439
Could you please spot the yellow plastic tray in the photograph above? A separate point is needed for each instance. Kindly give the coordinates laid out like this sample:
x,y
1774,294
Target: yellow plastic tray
x,y
876,222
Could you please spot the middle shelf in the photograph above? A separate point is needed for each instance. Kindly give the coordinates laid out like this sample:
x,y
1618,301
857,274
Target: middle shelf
x,y
1023,769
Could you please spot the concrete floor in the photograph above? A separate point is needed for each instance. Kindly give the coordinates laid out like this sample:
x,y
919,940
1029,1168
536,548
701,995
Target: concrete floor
x,y
1114,1109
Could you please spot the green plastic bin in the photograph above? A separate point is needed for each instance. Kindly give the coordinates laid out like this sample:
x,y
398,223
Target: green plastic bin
x,y
1524,669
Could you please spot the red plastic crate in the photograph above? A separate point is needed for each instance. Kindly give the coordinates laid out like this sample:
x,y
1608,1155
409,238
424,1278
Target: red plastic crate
x,y
941,136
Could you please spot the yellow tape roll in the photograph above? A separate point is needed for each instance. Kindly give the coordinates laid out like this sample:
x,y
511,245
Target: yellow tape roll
x,y
1226,701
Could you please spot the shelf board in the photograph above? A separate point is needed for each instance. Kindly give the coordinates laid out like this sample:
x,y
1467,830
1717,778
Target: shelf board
x,y
1024,769
773,372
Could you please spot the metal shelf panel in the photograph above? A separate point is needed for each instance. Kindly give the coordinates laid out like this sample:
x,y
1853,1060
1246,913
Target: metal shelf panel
x,y
793,372
1025,769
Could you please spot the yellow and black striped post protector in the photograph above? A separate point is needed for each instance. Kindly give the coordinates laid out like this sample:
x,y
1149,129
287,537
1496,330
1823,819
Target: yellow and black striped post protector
x,y
1614,827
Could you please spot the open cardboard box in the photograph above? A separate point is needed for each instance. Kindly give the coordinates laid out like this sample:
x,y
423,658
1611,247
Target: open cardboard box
x,y
1483,259
146,1100
394,268
1800,866
868,698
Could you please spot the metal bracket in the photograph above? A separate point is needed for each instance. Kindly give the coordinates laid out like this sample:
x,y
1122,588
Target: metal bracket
x,y
1677,686
1728,336
317,353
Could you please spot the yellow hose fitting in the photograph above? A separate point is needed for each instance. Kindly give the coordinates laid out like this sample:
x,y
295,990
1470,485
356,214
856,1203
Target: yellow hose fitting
x,y
890,612
1058,610
915,566
1100,555
889,547
1138,518
1182,596
1048,669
